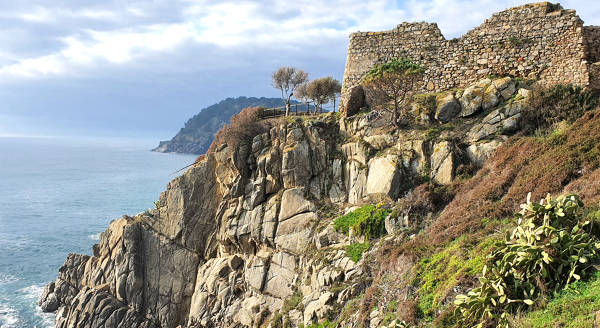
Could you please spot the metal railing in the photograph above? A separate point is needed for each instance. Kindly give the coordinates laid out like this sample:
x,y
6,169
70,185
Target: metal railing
x,y
295,110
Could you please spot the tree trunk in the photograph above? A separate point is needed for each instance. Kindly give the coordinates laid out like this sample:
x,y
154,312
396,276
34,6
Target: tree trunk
x,y
287,108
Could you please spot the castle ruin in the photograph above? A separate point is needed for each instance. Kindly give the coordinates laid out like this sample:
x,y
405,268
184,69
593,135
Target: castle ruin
x,y
540,40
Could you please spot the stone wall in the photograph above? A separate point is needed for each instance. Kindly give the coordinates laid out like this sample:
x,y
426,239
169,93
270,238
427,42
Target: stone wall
x,y
540,40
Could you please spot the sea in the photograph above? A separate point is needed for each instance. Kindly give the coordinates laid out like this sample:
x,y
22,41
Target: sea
x,y
57,195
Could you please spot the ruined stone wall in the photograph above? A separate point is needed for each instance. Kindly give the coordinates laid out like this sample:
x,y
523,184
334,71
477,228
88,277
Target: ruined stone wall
x,y
539,40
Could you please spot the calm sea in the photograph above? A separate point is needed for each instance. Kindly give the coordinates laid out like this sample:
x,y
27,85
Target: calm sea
x,y
56,196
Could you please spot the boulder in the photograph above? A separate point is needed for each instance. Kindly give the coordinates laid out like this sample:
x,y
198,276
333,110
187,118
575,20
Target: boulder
x,y
447,108
490,97
504,120
280,276
478,153
506,87
384,176
294,234
472,98
380,141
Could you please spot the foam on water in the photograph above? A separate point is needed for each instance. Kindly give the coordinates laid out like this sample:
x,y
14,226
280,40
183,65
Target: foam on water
x,y
94,237
31,292
9,317
46,319
7,279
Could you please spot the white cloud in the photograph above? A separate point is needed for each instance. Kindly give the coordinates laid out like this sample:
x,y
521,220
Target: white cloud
x,y
304,25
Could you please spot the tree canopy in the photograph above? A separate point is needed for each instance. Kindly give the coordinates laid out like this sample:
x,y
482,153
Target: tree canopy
x,y
287,79
389,86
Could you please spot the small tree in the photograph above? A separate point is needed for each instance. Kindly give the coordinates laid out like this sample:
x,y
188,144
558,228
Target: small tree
x,y
302,95
390,86
322,91
287,79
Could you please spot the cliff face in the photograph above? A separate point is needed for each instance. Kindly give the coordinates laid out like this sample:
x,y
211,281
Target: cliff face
x,y
247,234
199,131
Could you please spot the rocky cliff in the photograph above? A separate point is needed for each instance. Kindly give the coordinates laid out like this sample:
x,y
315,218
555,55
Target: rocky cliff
x,y
246,237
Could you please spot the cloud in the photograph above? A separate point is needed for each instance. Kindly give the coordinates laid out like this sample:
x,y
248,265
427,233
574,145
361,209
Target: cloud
x,y
113,62
112,33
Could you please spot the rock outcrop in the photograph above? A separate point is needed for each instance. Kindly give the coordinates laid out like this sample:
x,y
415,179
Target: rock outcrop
x,y
243,236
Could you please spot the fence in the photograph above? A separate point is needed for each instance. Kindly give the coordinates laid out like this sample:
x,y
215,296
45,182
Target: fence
x,y
305,109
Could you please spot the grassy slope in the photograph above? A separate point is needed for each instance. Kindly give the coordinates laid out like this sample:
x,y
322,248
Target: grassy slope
x,y
573,308
445,258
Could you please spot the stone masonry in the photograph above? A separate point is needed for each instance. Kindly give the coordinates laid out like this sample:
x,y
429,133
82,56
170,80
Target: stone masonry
x,y
540,40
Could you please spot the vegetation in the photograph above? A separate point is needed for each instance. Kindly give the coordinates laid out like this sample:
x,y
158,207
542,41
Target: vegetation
x,y
242,128
324,324
571,308
320,91
393,83
368,221
280,318
551,105
199,131
287,79
355,250
550,248
553,164
439,273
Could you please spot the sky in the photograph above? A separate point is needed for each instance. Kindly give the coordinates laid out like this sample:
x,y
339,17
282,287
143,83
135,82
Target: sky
x,y
135,68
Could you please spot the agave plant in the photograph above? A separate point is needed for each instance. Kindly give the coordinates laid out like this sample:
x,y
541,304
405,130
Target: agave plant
x,y
548,249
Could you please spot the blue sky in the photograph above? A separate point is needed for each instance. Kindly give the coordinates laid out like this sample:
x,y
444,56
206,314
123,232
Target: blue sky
x,y
142,68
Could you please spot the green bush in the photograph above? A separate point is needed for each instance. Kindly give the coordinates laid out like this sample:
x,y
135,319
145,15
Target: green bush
x,y
548,250
355,250
368,221
353,219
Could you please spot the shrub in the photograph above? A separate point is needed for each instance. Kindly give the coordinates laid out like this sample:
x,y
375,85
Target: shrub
x,y
550,105
355,250
367,221
390,87
242,128
547,251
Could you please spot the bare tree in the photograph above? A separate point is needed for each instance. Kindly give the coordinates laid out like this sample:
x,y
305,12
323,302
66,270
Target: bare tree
x,y
322,91
287,79
390,87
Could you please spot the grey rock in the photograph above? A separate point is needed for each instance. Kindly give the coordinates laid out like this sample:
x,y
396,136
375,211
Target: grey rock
x,y
447,108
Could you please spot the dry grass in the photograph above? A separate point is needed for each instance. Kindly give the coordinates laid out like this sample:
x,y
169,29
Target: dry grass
x,y
242,128
522,165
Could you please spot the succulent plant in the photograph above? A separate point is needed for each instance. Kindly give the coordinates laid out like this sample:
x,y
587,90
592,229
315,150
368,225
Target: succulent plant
x,y
549,249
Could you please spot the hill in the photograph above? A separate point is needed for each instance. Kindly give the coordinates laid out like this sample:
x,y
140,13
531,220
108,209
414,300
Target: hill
x,y
199,131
